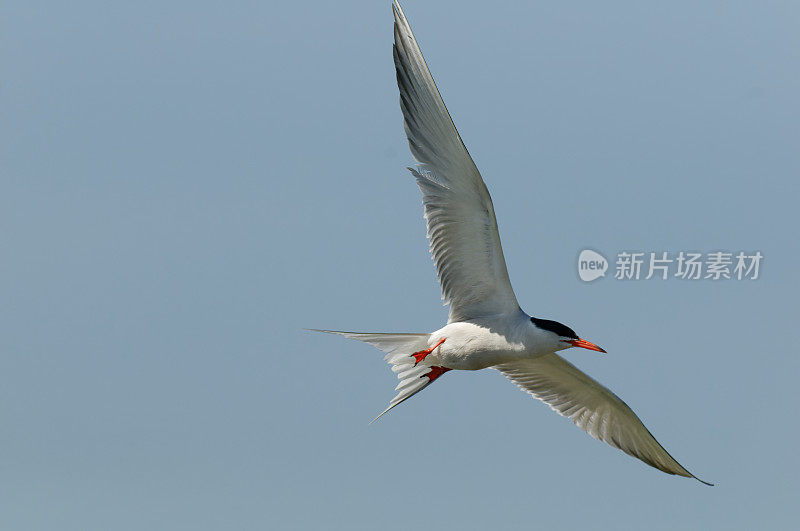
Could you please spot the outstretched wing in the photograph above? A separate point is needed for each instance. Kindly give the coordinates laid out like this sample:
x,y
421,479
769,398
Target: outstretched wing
x,y
592,407
462,227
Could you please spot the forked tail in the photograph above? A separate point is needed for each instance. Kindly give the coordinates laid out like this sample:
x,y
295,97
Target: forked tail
x,y
414,374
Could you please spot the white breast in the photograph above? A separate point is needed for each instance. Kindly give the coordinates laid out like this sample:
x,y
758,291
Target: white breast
x,y
481,343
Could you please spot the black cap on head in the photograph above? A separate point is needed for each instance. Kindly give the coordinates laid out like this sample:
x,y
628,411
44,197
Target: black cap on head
x,y
555,327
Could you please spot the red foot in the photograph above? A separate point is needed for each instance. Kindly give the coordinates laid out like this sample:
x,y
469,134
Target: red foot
x,y
422,354
436,371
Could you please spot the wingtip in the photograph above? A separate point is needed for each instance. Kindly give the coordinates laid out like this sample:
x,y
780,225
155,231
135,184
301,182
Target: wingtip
x,y
399,16
688,474
703,482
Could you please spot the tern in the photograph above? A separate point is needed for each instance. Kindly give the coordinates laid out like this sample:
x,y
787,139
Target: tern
x,y
486,326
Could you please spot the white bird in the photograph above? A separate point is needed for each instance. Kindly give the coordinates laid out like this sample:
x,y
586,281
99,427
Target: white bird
x,y
486,327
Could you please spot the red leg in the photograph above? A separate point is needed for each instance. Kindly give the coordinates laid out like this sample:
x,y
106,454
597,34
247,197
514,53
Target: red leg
x,y
422,354
436,371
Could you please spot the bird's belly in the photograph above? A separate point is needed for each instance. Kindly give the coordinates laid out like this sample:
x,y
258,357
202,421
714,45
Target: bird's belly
x,y
471,348
474,361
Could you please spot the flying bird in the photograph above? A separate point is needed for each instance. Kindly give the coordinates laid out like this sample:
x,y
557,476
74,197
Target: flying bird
x,y
486,326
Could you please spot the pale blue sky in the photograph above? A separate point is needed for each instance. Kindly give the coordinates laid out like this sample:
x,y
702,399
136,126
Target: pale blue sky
x,y
185,185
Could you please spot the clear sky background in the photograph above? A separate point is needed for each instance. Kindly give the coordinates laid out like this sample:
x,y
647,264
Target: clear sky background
x,y
185,185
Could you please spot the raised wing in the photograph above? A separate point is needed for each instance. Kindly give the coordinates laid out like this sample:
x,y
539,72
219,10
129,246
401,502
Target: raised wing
x,y
462,227
592,407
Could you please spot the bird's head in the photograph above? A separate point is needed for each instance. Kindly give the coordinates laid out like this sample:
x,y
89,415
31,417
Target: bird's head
x,y
562,336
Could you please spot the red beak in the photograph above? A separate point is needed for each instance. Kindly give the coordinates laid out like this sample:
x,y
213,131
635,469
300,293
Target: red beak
x,y
584,344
